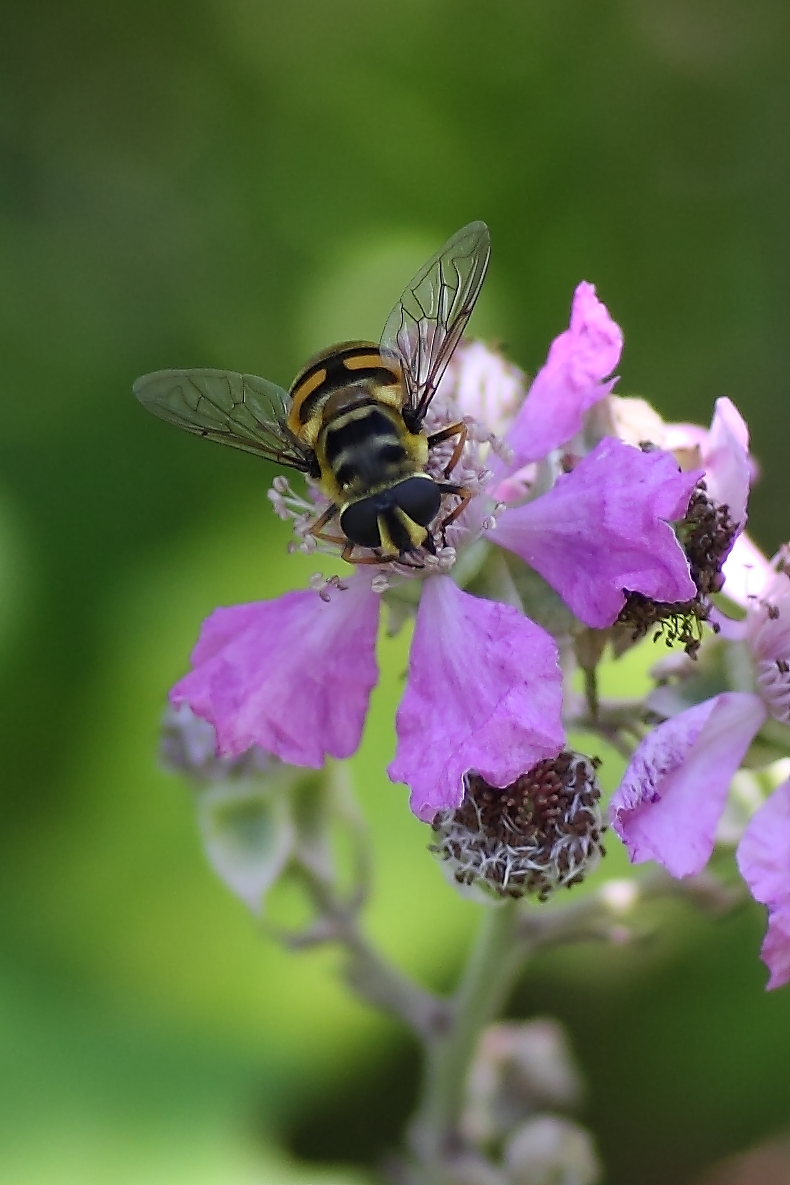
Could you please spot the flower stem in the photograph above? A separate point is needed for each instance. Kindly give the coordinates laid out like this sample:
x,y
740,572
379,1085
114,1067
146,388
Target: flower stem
x,y
371,975
436,1135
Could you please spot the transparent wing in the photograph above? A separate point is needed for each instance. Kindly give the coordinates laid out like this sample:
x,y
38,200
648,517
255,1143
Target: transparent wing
x,y
427,322
241,410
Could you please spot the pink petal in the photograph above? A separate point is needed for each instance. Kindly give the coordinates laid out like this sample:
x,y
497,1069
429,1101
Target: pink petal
x,y
571,381
603,528
764,850
725,456
671,798
293,676
746,571
480,382
775,951
681,437
484,693
764,861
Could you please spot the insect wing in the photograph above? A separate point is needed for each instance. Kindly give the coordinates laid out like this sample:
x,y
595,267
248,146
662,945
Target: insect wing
x,y
427,322
241,410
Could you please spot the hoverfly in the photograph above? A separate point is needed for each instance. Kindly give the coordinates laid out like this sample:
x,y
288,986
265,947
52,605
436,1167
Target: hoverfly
x,y
353,418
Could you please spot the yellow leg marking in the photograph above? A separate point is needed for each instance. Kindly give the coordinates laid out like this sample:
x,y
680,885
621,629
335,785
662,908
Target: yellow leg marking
x,y
461,430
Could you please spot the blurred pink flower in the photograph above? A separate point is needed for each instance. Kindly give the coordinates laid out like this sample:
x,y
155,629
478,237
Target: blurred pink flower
x,y
669,803
764,861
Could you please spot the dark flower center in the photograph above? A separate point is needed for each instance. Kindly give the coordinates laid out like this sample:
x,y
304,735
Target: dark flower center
x,y
707,534
542,831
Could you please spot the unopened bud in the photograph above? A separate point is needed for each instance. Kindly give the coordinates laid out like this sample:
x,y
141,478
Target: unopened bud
x,y
189,746
519,1069
552,1150
248,835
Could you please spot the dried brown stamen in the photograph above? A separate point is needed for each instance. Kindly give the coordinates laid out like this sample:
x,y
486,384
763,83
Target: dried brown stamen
x,y
541,832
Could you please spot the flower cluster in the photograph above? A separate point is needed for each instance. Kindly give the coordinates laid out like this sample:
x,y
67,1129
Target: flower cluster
x,y
674,793
589,518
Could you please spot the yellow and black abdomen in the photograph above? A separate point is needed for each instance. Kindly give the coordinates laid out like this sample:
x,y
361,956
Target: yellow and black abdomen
x,y
333,371
367,447
373,469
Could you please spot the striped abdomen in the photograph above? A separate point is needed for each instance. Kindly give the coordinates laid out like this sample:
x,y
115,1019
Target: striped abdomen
x,y
366,447
351,365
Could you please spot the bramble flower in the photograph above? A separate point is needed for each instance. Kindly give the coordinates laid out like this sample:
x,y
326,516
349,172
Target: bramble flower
x,y
561,522
484,690
598,524
675,789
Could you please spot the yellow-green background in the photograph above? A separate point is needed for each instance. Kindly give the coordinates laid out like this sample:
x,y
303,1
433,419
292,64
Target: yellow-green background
x,y
236,184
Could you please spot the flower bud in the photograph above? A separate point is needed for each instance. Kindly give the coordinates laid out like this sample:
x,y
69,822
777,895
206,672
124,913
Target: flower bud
x,y
541,832
520,1068
552,1150
248,836
189,746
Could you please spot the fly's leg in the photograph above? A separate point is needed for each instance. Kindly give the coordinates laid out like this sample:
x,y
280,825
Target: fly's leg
x,y
322,521
318,532
464,494
346,554
348,548
461,430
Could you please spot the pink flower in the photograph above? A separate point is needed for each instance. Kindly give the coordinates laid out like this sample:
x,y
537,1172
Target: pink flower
x,y
764,861
604,527
674,791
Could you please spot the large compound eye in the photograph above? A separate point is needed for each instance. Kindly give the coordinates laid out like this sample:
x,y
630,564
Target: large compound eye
x,y
359,522
419,498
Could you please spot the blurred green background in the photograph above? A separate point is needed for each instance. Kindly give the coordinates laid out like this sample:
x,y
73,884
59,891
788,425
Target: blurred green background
x,y
238,184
